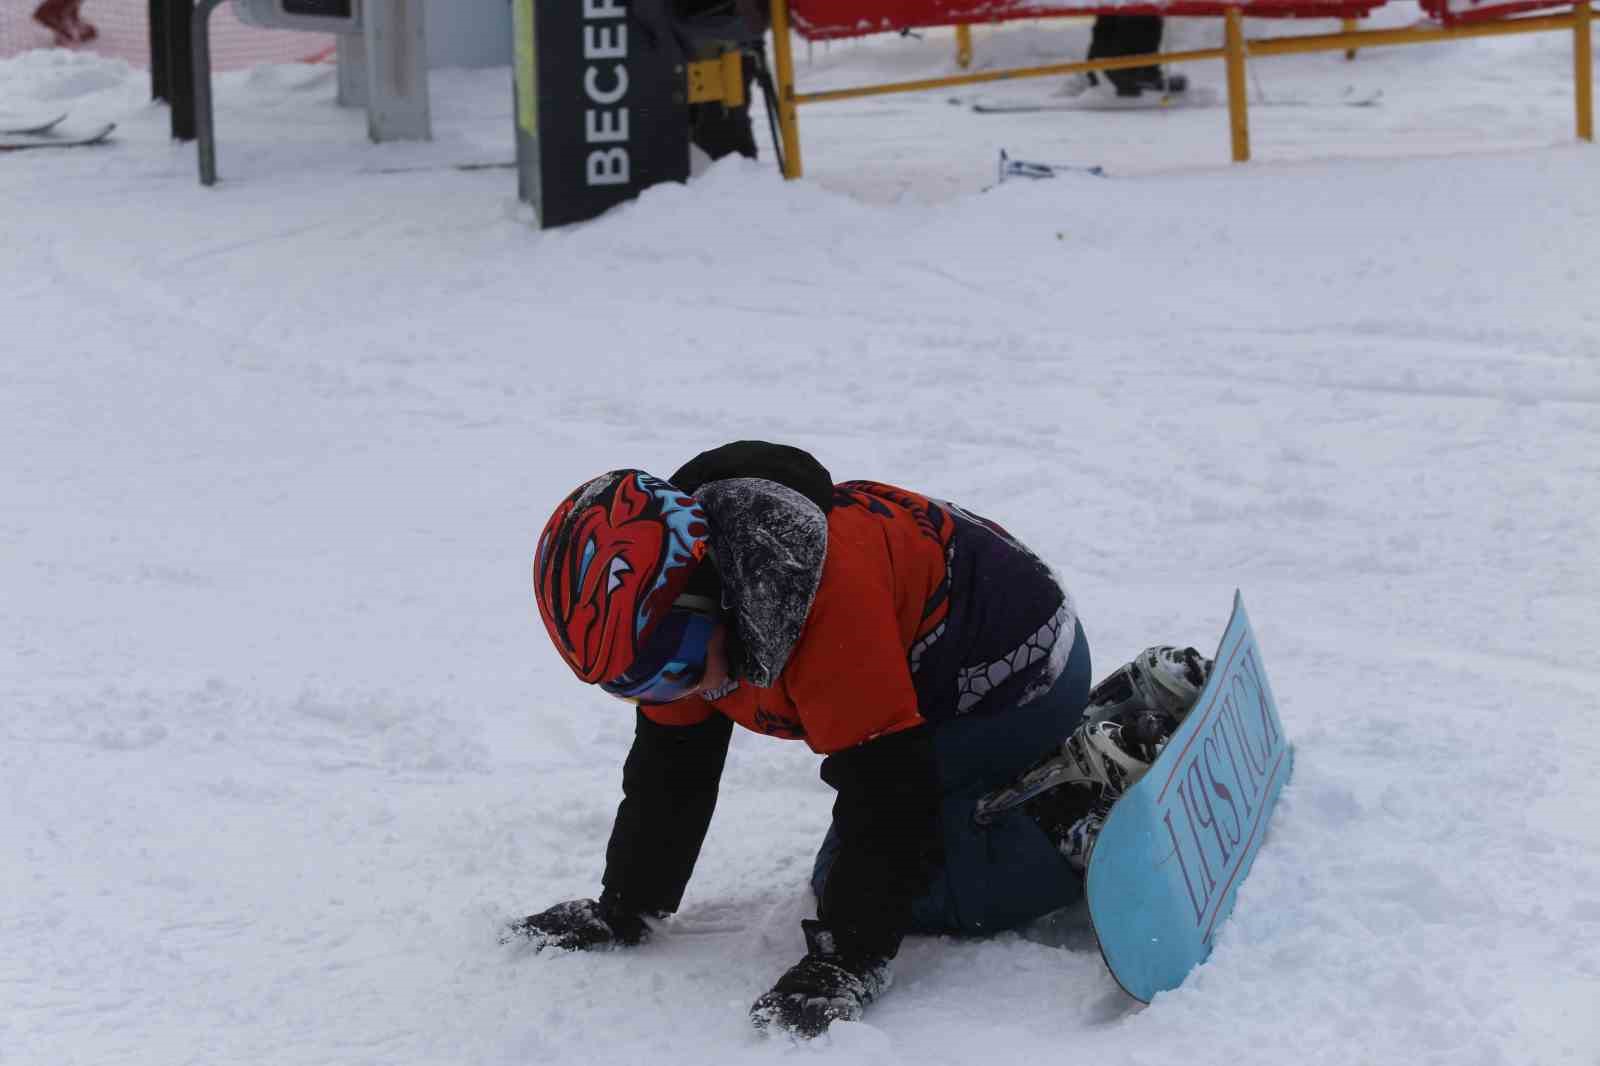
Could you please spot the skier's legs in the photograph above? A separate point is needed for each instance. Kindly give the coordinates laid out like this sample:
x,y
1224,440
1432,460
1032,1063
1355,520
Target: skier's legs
x,y
1008,872
1127,35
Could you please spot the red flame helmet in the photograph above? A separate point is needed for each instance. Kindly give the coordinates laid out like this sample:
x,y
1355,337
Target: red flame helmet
x,y
612,559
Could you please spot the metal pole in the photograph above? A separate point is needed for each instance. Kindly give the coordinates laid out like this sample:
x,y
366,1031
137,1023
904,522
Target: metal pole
x,y
1327,42
397,71
160,65
1238,99
1583,61
963,46
783,58
205,124
181,77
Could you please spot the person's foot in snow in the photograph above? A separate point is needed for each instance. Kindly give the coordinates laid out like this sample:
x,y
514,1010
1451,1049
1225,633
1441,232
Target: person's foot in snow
x,y
826,986
1126,724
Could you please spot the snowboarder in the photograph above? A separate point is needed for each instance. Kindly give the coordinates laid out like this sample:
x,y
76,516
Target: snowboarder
x,y
936,663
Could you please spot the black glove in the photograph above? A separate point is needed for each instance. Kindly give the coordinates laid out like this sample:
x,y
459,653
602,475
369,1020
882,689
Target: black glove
x,y
822,988
580,925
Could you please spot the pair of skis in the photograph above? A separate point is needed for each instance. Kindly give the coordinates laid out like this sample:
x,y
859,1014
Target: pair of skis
x,y
1196,96
20,134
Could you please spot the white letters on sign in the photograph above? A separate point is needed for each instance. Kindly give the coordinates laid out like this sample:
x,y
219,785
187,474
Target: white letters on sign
x,y
605,84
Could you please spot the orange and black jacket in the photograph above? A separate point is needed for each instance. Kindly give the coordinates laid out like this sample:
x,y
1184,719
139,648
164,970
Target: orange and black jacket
x,y
861,616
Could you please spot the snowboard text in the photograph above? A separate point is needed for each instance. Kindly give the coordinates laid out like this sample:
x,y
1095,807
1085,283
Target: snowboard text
x,y
1211,804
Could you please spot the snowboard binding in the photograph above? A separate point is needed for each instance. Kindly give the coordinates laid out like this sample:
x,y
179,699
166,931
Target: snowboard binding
x,y
1125,726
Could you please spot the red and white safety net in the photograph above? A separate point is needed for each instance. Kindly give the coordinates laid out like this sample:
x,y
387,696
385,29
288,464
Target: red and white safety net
x,y
123,32
825,19
1456,11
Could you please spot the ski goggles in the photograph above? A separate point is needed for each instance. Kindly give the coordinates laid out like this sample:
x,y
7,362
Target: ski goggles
x,y
673,660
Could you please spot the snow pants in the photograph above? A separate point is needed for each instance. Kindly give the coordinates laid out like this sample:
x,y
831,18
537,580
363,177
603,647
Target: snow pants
x,y
1126,35
1007,873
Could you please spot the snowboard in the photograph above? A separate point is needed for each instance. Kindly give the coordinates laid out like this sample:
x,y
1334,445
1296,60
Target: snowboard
x,y
56,139
1175,847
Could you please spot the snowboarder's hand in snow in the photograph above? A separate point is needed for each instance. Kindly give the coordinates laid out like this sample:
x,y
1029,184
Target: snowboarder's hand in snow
x,y
820,989
580,925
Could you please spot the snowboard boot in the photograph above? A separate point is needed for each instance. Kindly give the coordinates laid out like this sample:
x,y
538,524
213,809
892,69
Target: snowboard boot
x,y
1107,760
1162,679
1153,80
1096,757
1111,757
1076,844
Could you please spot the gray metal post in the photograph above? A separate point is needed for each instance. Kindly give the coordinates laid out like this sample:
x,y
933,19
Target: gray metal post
x,y
525,83
397,71
205,125
352,62
351,52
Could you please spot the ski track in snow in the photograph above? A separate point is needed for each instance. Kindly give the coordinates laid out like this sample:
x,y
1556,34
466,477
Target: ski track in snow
x,y
282,743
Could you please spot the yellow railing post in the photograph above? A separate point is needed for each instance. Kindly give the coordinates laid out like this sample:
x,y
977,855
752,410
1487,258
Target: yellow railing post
x,y
1583,63
788,120
963,46
1349,26
1238,101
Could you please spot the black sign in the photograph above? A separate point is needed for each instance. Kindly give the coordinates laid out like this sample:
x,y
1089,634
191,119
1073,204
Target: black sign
x,y
604,82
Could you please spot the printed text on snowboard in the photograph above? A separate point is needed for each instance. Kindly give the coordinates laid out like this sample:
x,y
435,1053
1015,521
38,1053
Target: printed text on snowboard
x,y
1211,803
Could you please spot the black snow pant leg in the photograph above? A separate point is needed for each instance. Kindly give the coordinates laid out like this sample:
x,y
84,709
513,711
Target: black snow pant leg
x,y
1127,35
1004,874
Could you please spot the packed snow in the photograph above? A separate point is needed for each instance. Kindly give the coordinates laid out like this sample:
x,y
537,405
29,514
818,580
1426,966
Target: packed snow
x,y
284,743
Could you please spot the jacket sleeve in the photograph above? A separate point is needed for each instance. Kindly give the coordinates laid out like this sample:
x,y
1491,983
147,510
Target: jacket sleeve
x,y
887,817
669,790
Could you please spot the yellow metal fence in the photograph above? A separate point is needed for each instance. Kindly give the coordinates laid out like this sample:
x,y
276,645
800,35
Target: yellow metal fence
x,y
1235,53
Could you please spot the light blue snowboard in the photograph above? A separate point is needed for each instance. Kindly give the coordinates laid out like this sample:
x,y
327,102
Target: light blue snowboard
x,y
1177,845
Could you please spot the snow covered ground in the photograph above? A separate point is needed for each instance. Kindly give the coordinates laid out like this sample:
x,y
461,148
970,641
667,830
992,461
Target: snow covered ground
x,y
281,739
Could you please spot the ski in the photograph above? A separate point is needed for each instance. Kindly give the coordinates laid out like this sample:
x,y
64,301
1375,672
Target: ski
x,y
15,143
14,127
1200,96
1022,168
1349,96
466,168
1203,96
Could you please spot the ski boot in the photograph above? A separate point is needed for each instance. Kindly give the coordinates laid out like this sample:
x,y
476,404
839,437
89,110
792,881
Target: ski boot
x,y
1126,85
